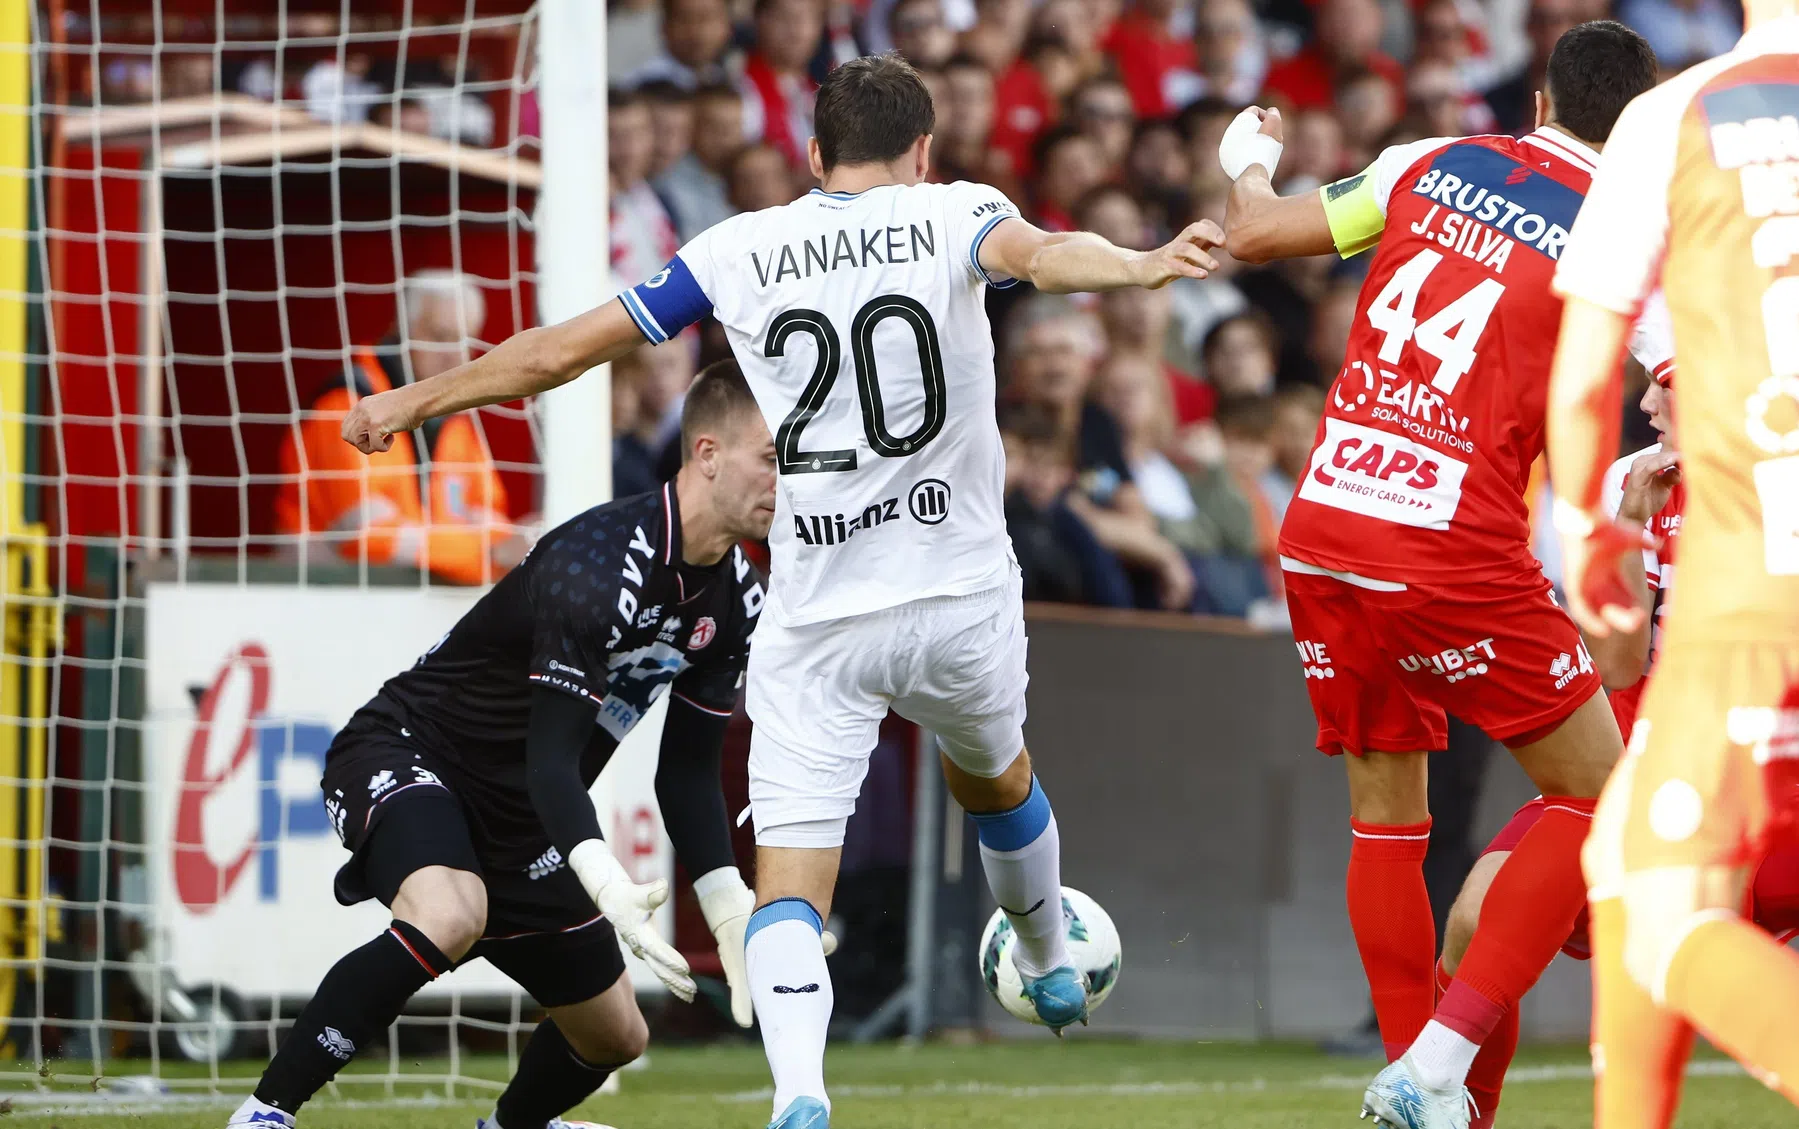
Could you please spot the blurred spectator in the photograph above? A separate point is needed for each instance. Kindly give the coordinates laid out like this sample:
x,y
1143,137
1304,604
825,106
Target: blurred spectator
x,y
1076,25
634,28
1297,410
1060,558
760,178
936,84
649,386
434,500
1240,356
1345,42
642,234
1136,324
1158,159
1102,111
407,116
998,35
1054,348
1684,32
1442,104
1314,155
694,188
1230,57
877,22
337,92
777,91
1513,100
671,125
1148,51
696,35
1331,322
1202,125
1201,304
1368,105
1111,212
964,123
1246,425
920,34
1070,165
257,79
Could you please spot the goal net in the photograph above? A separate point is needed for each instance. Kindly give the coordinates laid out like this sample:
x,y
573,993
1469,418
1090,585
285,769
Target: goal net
x,y
220,222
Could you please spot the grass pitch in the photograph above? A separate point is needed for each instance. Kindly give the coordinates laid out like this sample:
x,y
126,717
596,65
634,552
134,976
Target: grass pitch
x,y
1077,1084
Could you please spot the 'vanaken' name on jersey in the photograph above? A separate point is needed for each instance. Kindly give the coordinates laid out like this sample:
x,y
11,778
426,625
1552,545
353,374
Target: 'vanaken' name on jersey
x,y
864,247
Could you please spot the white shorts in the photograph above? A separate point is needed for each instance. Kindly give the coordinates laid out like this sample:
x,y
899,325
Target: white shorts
x,y
954,665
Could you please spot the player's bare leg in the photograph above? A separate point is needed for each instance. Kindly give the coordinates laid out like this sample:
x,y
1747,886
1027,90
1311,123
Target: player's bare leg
x,y
1389,906
569,1057
439,913
1021,852
789,980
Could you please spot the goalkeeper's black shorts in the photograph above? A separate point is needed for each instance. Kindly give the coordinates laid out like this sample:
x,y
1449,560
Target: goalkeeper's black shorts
x,y
395,810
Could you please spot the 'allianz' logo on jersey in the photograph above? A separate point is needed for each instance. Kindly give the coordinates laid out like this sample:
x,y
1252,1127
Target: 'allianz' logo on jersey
x,y
927,502
1537,211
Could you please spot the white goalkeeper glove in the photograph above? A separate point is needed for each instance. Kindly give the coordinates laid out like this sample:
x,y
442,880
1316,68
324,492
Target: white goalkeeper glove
x,y
727,904
1244,144
628,907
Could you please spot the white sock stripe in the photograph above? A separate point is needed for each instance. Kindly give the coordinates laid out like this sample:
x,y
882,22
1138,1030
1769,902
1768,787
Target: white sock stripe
x,y
1586,815
1372,835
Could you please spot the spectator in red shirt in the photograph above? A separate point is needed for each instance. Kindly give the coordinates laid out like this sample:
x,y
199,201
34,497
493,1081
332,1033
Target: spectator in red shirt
x,y
1141,42
1345,42
777,91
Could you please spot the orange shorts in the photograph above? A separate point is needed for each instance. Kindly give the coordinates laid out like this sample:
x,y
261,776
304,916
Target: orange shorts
x,y
1383,667
1711,775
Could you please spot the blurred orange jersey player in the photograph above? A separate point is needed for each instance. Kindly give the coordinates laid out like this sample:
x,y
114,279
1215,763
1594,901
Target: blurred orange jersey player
x,y
1699,191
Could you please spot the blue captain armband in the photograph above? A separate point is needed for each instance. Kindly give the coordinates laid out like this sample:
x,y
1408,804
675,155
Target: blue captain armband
x,y
667,303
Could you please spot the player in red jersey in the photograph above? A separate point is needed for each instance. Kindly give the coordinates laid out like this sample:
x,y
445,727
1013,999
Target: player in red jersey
x,y
1410,578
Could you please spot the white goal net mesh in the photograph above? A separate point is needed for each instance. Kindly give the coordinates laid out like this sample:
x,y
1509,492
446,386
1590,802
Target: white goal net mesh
x,y
229,219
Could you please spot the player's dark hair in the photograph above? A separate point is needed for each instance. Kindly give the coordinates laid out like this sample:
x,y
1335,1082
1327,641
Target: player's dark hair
x,y
717,91
717,396
870,111
624,98
1594,71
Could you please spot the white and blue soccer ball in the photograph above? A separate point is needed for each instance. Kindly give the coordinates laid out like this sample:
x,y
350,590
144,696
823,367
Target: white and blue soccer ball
x,y
1092,942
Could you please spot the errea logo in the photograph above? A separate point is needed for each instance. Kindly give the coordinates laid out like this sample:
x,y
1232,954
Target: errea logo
x,y
1565,668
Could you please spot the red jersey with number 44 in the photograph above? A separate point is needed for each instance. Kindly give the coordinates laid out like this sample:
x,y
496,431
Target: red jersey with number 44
x,y
1420,466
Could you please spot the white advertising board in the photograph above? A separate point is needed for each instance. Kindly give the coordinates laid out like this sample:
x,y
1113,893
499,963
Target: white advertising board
x,y
246,686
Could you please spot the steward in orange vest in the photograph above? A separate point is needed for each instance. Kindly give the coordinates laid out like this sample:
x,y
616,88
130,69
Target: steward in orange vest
x,y
446,513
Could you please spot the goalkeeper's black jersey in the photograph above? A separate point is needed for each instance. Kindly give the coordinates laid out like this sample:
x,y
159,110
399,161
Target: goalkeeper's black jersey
x,y
602,609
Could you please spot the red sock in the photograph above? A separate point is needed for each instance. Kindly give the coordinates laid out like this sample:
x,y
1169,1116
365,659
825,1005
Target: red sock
x,y
1528,913
1389,910
1487,1076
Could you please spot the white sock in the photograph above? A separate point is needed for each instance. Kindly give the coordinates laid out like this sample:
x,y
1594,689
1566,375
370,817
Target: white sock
x,y
791,988
1021,851
251,1107
1441,1057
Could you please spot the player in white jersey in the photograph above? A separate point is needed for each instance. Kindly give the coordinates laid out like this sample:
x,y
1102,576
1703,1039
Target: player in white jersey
x,y
857,314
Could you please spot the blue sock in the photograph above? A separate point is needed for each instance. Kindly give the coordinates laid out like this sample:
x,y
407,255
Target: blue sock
x,y
1021,851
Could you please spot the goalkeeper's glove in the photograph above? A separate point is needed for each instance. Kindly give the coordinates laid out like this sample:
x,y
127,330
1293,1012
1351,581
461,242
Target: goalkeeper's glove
x,y
629,906
727,904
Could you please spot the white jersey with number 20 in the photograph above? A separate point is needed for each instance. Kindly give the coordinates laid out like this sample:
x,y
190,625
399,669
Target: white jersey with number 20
x,y
860,323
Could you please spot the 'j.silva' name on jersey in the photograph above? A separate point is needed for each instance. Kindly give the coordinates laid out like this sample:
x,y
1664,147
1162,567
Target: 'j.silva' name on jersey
x,y
868,246
1482,224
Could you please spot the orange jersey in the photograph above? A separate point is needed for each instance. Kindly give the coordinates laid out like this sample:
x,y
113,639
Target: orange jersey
x,y
372,506
1699,189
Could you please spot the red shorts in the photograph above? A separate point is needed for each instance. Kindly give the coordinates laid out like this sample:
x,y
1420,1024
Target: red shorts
x,y
1383,667
1773,892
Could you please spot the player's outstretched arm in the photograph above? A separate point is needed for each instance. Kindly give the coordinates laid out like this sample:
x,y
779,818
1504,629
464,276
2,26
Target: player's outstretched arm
x,y
1260,224
529,362
1585,386
692,799
1080,261
559,729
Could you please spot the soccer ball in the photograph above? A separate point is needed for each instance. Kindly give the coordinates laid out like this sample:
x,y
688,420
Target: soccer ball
x,y
1092,942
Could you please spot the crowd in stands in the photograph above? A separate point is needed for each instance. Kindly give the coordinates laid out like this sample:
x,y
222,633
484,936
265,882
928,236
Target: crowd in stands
x,y
1153,438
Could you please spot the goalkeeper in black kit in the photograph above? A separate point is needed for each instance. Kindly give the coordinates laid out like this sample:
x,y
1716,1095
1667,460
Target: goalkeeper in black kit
x,y
460,789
